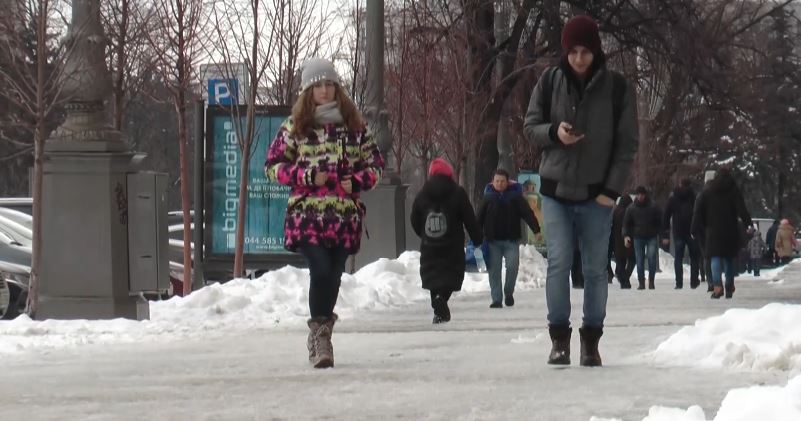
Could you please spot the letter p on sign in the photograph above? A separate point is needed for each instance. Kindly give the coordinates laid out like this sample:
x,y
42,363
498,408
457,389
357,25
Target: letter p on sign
x,y
223,91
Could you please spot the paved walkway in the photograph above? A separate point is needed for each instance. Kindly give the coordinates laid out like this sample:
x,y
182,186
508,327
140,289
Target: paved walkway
x,y
485,364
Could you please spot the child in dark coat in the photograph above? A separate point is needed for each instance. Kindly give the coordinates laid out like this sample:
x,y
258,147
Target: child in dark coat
x,y
440,214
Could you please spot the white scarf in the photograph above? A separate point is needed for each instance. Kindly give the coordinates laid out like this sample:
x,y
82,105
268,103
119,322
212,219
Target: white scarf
x,y
327,113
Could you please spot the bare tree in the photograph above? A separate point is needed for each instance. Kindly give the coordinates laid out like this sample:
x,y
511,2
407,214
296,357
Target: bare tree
x,y
126,24
350,45
33,72
176,40
302,29
246,35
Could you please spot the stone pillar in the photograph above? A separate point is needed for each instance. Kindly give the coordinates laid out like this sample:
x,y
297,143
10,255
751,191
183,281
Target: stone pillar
x,y
84,200
386,215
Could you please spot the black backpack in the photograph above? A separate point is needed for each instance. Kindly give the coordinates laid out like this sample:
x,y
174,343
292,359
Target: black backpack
x,y
618,94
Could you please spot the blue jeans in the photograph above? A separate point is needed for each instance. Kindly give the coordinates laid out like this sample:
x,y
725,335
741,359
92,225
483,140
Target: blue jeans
x,y
499,250
646,247
679,245
590,223
720,265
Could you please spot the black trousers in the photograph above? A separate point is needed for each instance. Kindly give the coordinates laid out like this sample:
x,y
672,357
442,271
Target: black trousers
x,y
326,266
624,267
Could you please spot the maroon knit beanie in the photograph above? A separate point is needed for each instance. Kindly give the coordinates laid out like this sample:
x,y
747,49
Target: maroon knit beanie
x,y
581,30
440,166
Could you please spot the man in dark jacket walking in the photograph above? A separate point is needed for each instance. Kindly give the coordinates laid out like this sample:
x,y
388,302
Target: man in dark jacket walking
x,y
679,215
624,256
641,226
440,214
588,137
500,215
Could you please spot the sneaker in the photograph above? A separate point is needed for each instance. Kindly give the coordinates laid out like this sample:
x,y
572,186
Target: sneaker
x,y
438,320
509,301
496,304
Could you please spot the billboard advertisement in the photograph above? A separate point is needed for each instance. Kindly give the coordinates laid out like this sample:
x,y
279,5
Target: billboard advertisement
x,y
530,181
266,201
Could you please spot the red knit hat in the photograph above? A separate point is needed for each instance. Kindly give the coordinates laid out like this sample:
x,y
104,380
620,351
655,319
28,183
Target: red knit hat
x,y
440,166
581,30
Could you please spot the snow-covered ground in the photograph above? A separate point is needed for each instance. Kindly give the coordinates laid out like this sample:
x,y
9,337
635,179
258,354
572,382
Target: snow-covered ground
x,y
656,343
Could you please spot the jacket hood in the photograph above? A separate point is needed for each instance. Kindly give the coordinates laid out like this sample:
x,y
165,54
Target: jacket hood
x,y
513,188
439,186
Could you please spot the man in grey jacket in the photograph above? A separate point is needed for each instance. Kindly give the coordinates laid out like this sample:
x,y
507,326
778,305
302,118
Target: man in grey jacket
x,y
588,138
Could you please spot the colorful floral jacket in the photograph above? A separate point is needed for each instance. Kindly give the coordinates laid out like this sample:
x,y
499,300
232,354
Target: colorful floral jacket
x,y
326,215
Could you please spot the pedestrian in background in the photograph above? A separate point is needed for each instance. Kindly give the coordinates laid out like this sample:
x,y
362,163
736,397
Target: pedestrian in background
x,y
500,216
719,215
677,219
440,214
641,226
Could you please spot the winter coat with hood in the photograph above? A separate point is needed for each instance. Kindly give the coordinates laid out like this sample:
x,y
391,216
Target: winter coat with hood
x,y
442,262
621,251
719,218
642,220
785,240
600,162
501,212
680,209
324,215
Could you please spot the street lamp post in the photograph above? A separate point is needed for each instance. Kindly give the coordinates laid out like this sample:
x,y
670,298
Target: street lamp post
x,y
85,259
388,200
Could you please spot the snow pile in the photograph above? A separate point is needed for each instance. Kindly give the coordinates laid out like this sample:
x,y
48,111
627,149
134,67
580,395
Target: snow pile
x,y
768,338
279,297
774,403
23,333
661,413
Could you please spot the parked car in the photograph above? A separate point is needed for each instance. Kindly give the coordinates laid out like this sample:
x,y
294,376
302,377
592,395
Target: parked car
x,y
14,282
21,204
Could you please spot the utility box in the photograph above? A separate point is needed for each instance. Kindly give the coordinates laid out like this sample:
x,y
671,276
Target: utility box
x,y
148,240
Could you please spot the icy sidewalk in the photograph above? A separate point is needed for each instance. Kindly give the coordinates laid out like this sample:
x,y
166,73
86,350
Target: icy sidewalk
x,y
393,364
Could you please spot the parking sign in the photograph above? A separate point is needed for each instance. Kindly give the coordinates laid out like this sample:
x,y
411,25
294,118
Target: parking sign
x,y
223,91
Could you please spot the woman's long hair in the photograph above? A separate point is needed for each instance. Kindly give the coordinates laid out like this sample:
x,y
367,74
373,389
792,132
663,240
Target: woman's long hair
x,y
303,112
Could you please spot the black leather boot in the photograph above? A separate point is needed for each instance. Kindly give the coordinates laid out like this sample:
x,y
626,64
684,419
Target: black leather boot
x,y
590,336
560,345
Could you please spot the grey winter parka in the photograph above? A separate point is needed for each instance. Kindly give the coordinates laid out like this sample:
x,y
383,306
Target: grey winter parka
x,y
601,161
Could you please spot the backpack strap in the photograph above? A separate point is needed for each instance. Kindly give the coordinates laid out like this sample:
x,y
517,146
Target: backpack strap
x,y
618,96
547,90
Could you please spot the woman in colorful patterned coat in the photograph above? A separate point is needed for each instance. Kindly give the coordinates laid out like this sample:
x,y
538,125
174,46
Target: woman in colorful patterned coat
x,y
325,152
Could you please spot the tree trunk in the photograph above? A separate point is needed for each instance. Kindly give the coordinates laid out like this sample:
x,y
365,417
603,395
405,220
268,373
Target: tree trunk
x,y
185,199
36,252
38,171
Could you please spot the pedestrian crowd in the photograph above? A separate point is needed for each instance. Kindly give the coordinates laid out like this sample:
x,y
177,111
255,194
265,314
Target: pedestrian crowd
x,y
582,118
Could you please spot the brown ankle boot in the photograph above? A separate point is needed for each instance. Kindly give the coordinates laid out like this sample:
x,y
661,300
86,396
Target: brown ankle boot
x,y
560,345
590,336
321,350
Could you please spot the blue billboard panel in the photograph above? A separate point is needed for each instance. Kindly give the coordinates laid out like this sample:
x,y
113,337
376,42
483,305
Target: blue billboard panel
x,y
266,201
